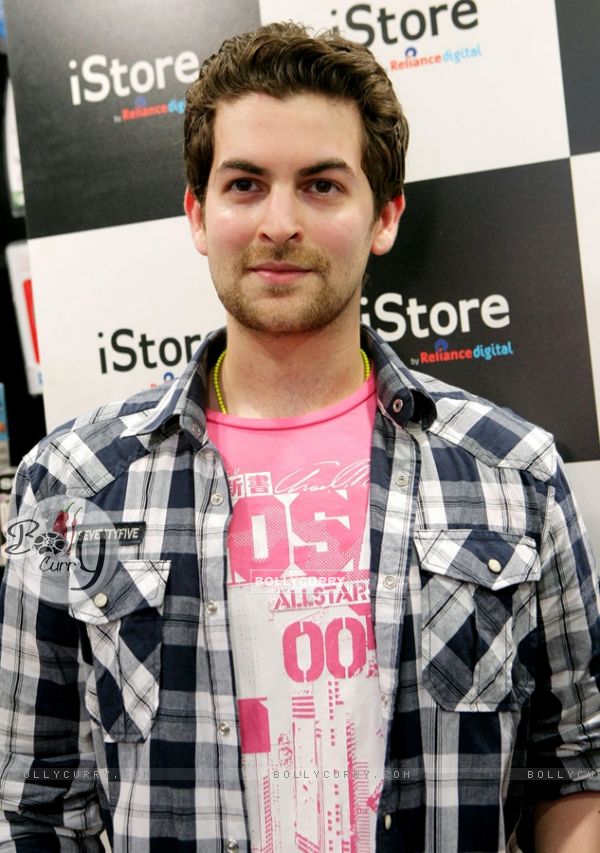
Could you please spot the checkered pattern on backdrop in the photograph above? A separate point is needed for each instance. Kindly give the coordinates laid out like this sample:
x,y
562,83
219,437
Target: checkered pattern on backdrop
x,y
504,155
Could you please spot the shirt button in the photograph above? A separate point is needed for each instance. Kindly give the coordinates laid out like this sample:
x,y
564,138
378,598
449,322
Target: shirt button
x,y
495,566
101,599
397,406
232,845
384,700
387,821
211,608
224,728
401,479
390,581
216,499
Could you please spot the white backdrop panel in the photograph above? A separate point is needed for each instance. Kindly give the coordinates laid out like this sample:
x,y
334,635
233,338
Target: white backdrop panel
x,y
584,478
148,272
501,106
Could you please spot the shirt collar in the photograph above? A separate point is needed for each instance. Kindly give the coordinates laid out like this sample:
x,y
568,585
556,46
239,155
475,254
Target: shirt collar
x,y
400,393
402,397
182,406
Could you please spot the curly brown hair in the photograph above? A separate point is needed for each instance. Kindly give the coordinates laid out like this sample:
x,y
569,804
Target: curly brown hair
x,y
286,59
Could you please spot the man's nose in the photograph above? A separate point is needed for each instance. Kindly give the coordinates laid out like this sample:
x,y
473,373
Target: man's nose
x,y
281,217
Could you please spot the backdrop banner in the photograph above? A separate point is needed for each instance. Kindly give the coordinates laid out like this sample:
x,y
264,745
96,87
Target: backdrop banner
x,y
121,296
493,282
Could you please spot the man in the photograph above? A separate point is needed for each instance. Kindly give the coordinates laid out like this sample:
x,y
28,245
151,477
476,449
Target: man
x,y
357,610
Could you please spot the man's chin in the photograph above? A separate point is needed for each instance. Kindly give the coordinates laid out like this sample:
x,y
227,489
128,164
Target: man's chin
x,y
280,325
295,315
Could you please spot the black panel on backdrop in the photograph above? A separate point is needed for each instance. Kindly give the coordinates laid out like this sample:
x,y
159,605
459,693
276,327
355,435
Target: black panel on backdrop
x,y
486,267
579,35
115,159
25,412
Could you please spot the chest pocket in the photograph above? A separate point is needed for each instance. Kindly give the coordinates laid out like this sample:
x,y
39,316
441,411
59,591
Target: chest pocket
x,y
124,625
479,616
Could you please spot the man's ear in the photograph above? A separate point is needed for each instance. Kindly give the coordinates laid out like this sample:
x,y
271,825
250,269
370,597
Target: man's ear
x,y
193,211
386,227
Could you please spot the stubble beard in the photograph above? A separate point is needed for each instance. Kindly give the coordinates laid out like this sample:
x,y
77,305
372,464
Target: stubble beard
x,y
281,310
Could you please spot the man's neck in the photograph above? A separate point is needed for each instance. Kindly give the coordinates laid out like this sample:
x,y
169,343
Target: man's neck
x,y
267,376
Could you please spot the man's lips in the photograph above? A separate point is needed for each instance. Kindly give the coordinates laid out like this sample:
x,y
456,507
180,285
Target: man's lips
x,y
276,272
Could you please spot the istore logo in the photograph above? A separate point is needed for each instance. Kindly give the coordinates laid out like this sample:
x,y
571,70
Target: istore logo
x,y
126,349
97,76
441,319
389,27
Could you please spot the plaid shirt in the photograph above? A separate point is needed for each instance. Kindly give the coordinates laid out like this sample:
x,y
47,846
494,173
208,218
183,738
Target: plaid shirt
x,y
485,607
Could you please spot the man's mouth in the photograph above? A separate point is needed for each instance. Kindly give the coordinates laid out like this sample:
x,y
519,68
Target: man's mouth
x,y
278,272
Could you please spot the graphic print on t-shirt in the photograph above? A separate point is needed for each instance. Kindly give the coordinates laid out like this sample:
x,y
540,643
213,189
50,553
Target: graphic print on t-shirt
x,y
311,727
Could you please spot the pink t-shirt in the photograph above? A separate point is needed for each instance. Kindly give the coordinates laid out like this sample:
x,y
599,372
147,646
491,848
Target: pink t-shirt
x,y
311,726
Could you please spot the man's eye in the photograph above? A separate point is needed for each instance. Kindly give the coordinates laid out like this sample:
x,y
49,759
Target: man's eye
x,y
323,187
242,185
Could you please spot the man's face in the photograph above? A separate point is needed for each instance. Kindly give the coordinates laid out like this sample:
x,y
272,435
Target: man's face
x,y
288,220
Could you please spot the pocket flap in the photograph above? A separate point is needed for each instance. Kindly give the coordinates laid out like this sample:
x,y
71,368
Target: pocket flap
x,y
132,585
489,558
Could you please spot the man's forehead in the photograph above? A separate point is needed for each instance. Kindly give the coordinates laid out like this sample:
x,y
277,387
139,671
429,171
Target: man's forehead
x,y
254,107
320,127
258,96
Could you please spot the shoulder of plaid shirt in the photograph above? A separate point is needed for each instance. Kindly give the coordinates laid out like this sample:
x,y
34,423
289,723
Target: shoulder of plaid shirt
x,y
485,604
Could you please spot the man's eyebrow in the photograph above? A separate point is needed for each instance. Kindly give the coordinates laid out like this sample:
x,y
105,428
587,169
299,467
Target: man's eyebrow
x,y
316,169
241,166
325,166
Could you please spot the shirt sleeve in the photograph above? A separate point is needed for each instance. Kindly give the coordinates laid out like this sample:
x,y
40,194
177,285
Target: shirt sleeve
x,y
565,724
48,778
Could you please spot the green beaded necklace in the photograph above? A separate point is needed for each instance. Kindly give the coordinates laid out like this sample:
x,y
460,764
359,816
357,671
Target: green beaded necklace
x,y
217,373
